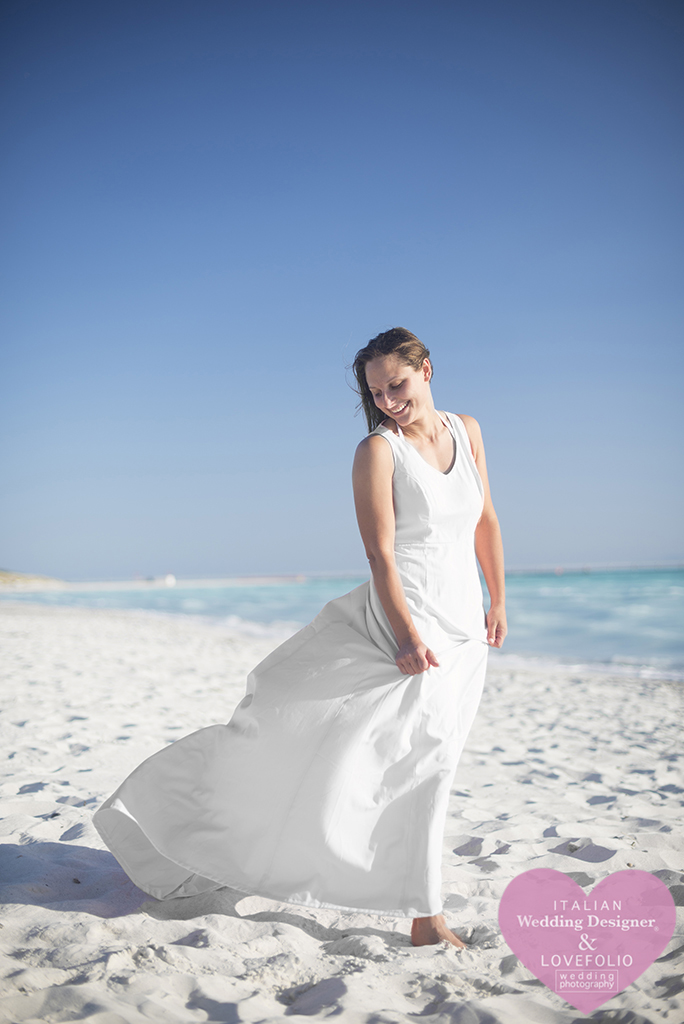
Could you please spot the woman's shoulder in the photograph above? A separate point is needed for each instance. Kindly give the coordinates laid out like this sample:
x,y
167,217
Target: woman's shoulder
x,y
374,451
376,441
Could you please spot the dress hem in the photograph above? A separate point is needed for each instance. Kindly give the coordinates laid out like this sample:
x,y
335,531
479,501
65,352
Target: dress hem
x,y
410,913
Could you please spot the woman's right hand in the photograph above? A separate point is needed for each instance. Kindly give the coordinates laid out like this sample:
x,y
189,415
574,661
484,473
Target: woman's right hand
x,y
413,657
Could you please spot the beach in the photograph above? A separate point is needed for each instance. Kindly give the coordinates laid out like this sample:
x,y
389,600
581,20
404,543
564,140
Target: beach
x,y
576,767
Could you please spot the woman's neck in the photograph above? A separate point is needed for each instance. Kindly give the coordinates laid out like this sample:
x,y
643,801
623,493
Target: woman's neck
x,y
426,427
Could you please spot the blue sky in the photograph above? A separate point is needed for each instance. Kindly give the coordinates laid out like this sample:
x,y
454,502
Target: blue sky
x,y
209,206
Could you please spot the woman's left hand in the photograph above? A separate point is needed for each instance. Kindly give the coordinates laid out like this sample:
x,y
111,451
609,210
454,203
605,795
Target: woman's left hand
x,y
496,625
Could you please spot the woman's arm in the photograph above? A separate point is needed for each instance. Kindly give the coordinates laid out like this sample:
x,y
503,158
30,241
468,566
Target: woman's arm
x,y
372,479
488,544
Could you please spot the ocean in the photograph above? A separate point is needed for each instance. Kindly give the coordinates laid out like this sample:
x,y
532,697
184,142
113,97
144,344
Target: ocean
x,y
627,618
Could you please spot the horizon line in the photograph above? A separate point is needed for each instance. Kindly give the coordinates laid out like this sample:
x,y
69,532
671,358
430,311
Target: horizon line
x,y
12,579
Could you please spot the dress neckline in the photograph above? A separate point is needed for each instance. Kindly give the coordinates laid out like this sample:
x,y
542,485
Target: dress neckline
x,y
450,428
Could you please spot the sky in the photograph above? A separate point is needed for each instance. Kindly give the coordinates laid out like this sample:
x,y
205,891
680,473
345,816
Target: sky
x,y
208,207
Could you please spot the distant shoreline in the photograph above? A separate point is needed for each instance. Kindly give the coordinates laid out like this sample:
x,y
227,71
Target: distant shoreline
x,y
22,582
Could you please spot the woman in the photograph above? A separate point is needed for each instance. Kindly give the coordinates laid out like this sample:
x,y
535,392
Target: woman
x,y
329,785
419,540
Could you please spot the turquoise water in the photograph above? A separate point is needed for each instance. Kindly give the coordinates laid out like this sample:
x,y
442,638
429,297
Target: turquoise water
x,y
633,617
291,602
628,616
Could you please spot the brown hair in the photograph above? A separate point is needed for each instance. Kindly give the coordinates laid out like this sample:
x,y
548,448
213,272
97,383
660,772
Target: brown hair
x,y
397,341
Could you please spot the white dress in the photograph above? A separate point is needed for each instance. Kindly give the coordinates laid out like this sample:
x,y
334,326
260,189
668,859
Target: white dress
x,y
329,785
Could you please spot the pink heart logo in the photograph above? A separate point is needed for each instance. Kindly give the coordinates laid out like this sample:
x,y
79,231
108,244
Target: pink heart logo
x,y
587,948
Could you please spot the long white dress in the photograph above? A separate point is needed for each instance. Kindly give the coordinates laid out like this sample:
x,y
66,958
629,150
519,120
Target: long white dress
x,y
329,785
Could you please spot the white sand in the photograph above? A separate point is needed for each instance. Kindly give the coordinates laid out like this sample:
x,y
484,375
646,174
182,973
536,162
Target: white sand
x,y
565,768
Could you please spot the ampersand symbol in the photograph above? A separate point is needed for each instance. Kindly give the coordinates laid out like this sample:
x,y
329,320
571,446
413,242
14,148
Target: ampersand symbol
x,y
586,942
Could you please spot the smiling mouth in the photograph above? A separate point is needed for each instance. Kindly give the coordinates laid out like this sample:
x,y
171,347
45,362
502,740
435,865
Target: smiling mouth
x,y
398,412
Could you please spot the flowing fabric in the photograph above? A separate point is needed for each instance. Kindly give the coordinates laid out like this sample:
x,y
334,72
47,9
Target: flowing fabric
x,y
329,785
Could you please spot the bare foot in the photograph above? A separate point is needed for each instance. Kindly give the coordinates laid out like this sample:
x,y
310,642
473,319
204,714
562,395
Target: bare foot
x,y
427,931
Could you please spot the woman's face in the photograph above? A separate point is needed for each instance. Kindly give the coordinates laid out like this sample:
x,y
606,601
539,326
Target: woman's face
x,y
397,389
